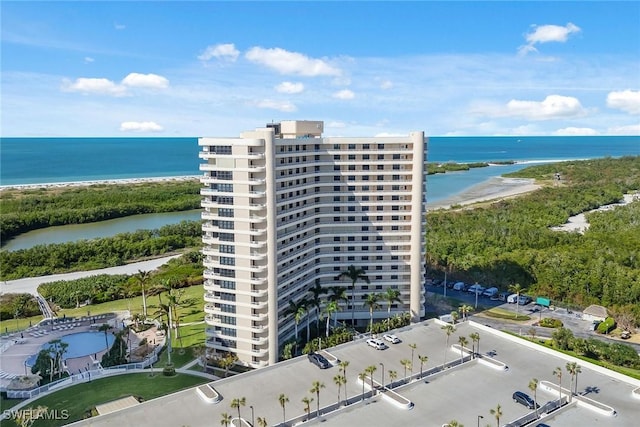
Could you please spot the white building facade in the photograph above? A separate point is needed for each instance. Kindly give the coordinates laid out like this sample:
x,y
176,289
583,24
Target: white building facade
x,y
286,209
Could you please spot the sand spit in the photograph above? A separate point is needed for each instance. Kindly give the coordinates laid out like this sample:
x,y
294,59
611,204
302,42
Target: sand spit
x,y
124,181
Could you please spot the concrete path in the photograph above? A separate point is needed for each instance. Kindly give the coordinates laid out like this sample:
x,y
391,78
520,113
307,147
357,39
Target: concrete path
x,y
30,284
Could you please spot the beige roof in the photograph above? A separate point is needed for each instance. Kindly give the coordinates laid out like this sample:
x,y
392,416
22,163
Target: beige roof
x,y
116,405
596,311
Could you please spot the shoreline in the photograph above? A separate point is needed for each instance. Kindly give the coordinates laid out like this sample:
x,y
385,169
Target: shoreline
x,y
118,181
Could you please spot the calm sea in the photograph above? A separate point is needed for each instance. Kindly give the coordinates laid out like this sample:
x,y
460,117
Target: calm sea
x,y
48,160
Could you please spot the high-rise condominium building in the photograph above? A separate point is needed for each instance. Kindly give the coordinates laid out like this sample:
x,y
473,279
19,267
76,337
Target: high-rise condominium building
x,y
286,209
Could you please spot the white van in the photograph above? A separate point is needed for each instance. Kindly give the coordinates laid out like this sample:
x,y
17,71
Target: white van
x,y
512,299
479,289
491,292
458,286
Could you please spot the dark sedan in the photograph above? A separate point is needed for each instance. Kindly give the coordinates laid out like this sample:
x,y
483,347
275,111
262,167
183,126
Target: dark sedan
x,y
319,360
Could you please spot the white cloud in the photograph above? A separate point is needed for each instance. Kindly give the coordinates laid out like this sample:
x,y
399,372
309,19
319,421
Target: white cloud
x,y
140,127
387,84
226,51
293,63
119,26
553,107
290,87
284,106
335,125
626,100
547,34
344,94
573,131
94,86
88,59
625,130
151,81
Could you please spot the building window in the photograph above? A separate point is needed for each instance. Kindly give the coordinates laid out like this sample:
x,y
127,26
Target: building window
x,y
225,212
224,260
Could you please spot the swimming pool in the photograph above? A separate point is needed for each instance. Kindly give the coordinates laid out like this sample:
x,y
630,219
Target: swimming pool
x,y
80,344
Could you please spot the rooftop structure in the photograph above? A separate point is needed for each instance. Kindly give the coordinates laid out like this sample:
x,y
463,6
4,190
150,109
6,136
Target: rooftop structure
x,y
286,209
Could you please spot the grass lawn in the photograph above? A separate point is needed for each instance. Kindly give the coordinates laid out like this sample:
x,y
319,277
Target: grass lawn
x,y
80,399
501,313
192,336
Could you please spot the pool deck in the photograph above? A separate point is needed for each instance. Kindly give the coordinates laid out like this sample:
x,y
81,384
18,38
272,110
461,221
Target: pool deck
x,y
19,347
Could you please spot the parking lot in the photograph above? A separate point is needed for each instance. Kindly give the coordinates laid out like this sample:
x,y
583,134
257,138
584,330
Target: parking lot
x,y
461,393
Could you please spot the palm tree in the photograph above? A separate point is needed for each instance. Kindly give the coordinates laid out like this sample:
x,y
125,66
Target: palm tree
x,y
316,301
330,308
462,341
262,422
307,405
454,423
316,387
343,367
227,361
354,274
298,309
226,419
165,310
448,329
516,289
465,310
337,294
573,369
237,403
390,296
371,302
406,364
339,380
104,328
413,349
475,338
423,360
393,375
362,376
370,370
283,399
143,277
497,413
558,373
454,316
533,386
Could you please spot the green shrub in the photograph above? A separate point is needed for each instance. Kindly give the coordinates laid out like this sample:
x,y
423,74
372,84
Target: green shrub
x,y
549,322
607,326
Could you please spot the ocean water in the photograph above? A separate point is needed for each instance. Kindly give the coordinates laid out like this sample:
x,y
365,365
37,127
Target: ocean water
x,y
49,160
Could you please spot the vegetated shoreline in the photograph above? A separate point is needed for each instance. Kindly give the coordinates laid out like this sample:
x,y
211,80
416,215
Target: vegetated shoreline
x,y
123,181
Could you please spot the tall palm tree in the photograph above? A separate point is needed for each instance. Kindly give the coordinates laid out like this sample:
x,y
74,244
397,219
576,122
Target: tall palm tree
x,y
371,302
475,338
354,274
226,419
573,369
448,329
162,311
337,294
237,403
390,296
406,364
298,310
497,412
339,380
413,349
465,309
262,422
454,423
558,373
533,386
105,328
307,405
343,368
370,370
516,289
315,302
393,375
462,341
143,277
454,316
316,387
283,399
423,360
362,376
330,308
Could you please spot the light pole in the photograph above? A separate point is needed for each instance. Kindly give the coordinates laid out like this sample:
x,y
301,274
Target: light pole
x,y
476,298
479,418
382,364
252,421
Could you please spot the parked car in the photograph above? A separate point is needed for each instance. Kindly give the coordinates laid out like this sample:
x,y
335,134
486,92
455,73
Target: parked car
x,y
524,399
524,300
458,286
512,299
376,343
391,338
319,360
491,292
476,289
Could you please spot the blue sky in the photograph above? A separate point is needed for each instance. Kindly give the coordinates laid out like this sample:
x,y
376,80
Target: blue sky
x,y
206,68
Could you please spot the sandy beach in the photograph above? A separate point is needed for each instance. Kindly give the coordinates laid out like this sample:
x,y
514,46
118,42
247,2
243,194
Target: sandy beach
x,y
123,181
496,188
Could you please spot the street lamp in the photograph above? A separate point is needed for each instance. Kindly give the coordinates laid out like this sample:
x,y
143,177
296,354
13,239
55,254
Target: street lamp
x,y
252,421
382,364
479,418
